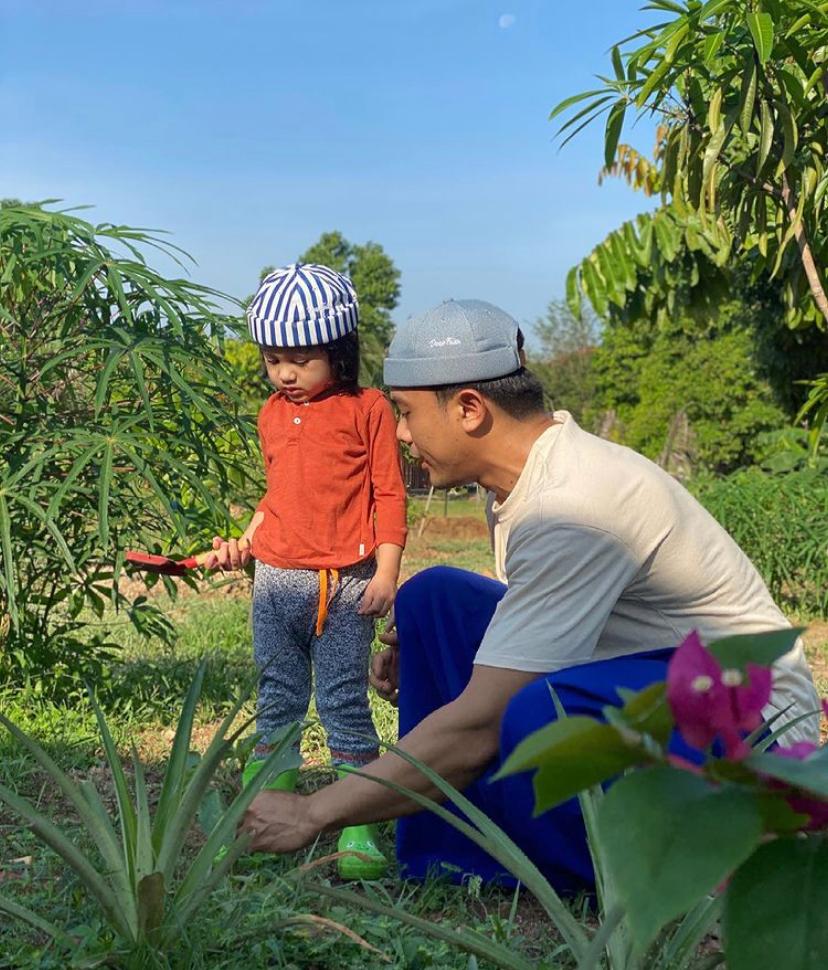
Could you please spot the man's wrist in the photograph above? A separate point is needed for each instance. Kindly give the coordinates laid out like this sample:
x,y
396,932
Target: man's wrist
x,y
317,812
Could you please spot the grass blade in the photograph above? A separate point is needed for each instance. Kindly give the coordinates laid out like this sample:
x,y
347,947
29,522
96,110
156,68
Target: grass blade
x,y
682,945
94,818
501,956
8,561
184,906
29,916
283,756
144,855
103,494
171,837
492,839
177,765
126,812
72,856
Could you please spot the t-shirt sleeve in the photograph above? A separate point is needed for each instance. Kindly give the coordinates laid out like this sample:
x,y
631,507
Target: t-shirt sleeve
x,y
386,475
563,582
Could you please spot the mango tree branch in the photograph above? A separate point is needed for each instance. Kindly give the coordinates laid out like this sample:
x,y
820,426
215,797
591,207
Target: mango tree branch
x,y
805,253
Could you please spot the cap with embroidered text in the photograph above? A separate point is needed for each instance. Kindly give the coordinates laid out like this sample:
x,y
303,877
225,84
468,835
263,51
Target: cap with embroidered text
x,y
459,340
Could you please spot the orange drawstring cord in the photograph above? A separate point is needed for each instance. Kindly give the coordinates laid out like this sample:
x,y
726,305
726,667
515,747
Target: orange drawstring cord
x,y
325,597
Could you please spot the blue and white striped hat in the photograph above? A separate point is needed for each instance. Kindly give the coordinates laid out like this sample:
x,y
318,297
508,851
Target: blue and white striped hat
x,y
303,305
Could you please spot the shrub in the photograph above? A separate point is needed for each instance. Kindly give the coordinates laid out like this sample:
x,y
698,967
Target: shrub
x,y
781,522
114,409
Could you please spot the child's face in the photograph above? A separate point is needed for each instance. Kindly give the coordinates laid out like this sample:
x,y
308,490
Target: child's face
x,y
300,373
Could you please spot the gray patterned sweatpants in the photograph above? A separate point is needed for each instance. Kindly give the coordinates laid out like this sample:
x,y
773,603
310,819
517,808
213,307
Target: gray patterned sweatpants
x,y
286,649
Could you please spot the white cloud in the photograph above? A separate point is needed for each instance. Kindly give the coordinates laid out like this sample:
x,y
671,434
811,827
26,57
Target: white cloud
x,y
506,20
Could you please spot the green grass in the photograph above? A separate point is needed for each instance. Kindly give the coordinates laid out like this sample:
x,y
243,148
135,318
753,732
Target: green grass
x,y
240,925
460,502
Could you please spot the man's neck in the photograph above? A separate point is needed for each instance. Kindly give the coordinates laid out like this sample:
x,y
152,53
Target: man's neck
x,y
509,453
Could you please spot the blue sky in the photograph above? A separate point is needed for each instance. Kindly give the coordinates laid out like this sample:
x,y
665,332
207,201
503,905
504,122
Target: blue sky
x,y
249,128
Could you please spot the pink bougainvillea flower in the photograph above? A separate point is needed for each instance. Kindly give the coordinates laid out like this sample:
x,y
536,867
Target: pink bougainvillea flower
x,y
805,803
710,703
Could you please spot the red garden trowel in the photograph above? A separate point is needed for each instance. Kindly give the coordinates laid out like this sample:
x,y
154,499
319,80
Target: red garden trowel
x,y
151,563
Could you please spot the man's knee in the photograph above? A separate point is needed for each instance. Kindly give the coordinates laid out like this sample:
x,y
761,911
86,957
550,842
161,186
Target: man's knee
x,y
429,585
528,711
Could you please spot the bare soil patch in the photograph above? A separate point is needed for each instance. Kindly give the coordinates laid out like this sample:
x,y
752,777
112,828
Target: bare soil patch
x,y
451,527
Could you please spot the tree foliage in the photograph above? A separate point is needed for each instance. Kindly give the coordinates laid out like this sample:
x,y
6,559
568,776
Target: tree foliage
x,y
564,362
688,400
116,419
739,88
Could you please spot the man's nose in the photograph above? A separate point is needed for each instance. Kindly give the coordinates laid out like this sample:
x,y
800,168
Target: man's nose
x,y
403,434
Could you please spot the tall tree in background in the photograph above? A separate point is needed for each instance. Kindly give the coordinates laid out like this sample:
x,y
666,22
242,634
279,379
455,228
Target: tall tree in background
x,y
739,87
564,361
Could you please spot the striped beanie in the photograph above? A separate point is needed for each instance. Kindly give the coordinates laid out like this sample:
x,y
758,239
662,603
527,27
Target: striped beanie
x,y
303,305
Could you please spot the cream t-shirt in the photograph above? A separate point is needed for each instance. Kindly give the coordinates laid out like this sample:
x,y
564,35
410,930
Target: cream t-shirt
x,y
605,554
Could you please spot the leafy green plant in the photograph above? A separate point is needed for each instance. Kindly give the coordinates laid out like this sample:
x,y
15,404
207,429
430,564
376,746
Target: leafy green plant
x,y
781,522
145,890
611,944
671,834
115,406
738,88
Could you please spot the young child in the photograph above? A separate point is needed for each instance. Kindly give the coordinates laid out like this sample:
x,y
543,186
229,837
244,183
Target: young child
x,y
328,535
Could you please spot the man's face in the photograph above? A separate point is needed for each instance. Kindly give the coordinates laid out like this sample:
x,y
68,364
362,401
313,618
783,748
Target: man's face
x,y
300,373
434,434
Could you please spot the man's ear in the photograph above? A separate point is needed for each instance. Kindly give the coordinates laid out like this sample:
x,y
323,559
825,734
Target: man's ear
x,y
474,409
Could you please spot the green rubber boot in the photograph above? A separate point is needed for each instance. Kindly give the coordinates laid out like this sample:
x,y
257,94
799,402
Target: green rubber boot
x,y
285,781
362,839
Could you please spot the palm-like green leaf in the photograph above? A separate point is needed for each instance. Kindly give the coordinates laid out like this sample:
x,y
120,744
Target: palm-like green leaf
x,y
118,409
484,832
94,882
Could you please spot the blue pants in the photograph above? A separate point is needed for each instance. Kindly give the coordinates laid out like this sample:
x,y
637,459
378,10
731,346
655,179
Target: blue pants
x,y
442,614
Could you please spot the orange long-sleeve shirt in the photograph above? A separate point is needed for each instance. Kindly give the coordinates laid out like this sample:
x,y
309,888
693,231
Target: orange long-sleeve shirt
x,y
334,483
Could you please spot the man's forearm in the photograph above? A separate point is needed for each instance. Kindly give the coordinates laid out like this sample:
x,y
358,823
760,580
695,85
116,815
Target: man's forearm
x,y
456,750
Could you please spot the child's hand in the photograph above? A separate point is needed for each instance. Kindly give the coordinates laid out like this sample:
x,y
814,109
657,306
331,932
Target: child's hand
x,y
378,597
229,554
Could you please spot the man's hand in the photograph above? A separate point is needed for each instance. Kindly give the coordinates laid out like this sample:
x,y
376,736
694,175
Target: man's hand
x,y
385,665
279,822
378,597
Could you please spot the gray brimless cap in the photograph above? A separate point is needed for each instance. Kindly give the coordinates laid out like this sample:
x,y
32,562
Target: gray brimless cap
x,y
459,340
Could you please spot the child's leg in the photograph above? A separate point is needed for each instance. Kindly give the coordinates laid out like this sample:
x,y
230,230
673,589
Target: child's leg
x,y
341,656
284,605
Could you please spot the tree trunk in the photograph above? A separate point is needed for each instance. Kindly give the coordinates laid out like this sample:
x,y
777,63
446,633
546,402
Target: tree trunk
x,y
805,253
